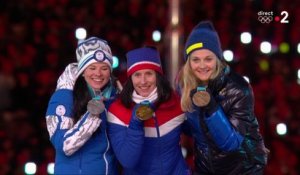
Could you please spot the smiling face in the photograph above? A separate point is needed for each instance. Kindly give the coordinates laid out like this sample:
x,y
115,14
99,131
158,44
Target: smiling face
x,y
97,75
144,81
203,64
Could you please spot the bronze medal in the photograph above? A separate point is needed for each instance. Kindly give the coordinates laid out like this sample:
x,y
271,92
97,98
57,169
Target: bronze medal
x,y
201,98
144,112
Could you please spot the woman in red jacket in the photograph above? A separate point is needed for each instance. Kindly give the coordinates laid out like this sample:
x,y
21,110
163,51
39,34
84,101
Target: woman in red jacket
x,y
144,125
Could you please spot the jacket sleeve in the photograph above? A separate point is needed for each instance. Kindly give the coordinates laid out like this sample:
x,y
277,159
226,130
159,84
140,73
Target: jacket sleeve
x,y
64,135
126,140
67,79
222,132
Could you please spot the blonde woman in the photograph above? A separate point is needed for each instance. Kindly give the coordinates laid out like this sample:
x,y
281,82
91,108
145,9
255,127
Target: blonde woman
x,y
219,109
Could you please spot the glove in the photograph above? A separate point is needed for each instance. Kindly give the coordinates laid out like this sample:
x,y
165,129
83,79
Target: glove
x,y
135,122
95,107
202,99
67,79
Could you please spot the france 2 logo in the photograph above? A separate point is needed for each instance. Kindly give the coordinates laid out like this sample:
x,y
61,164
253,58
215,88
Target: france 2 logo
x,y
267,17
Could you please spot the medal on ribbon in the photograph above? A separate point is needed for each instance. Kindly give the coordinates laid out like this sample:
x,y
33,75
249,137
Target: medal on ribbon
x,y
144,111
201,97
101,106
99,98
95,107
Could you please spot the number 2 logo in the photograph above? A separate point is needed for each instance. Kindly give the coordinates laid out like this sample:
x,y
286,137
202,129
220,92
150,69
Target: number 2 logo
x,y
285,15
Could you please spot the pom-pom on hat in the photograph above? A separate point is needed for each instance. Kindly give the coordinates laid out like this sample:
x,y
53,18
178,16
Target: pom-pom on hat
x,y
143,58
203,36
93,50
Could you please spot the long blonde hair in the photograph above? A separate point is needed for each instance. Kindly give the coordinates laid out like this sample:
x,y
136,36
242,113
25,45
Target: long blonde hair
x,y
188,81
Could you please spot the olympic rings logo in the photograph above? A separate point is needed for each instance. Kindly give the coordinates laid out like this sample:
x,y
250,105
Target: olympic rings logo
x,y
265,19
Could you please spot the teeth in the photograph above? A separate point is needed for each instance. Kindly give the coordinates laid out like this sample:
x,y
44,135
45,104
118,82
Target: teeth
x,y
203,71
96,79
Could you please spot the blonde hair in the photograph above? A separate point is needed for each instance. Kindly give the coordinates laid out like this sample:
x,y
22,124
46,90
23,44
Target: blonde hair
x,y
188,81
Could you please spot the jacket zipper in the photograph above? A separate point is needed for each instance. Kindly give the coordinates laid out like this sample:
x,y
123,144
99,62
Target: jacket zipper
x,y
80,163
205,130
158,136
104,155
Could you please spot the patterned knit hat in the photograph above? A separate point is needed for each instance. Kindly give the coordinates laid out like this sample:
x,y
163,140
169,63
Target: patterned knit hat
x,y
203,36
93,50
143,58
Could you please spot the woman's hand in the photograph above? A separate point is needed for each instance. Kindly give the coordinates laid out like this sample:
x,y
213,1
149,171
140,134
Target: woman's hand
x,y
95,107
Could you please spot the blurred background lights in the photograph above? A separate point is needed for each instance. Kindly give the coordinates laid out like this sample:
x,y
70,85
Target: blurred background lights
x,y
184,151
246,38
228,55
265,47
298,76
298,48
80,33
156,36
115,62
30,168
50,168
284,47
264,65
281,129
246,78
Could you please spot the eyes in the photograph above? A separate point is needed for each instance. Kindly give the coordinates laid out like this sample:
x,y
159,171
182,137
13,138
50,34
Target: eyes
x,y
205,59
147,73
103,68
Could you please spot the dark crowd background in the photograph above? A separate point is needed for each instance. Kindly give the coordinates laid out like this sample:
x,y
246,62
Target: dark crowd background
x,y
37,41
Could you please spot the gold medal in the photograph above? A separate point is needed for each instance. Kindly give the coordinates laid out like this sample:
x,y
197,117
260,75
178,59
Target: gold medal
x,y
144,112
201,98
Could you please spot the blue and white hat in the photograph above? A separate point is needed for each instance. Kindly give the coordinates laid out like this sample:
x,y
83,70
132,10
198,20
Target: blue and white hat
x,y
143,58
203,36
93,50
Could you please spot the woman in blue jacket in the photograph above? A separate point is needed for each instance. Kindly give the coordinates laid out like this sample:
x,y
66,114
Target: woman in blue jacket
x,y
76,114
220,110
144,125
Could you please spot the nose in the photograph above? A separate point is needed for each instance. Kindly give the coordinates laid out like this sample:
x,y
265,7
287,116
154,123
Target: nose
x,y
98,72
201,65
143,79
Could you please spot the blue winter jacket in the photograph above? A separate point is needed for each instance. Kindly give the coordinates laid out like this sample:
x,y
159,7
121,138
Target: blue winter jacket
x,y
150,147
82,147
228,141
